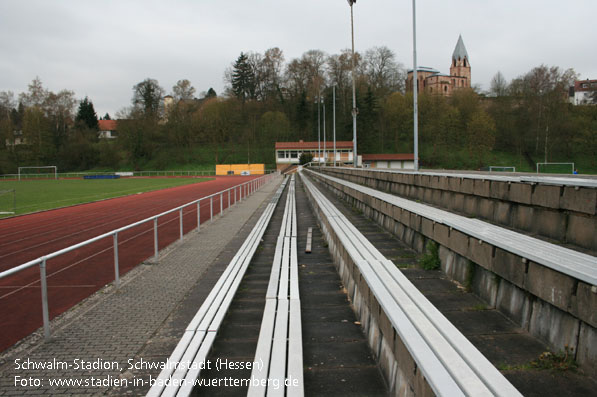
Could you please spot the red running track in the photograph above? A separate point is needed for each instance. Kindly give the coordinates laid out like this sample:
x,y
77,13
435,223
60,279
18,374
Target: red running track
x,y
76,275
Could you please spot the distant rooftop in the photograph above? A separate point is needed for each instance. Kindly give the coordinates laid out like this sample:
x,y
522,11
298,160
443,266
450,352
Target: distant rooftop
x,y
107,125
388,157
424,69
313,145
585,85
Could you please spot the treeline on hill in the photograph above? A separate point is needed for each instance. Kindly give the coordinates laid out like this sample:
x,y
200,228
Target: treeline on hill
x,y
269,100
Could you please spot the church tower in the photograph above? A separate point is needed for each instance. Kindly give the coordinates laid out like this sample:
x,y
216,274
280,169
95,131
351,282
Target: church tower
x,y
461,66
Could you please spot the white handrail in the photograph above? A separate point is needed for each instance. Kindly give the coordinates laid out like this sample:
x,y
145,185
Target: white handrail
x,y
250,187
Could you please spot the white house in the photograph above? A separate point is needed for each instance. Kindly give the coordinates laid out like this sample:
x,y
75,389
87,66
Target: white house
x,y
288,153
107,129
401,161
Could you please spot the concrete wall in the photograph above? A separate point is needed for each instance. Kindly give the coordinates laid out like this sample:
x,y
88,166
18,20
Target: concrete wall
x,y
563,214
557,308
403,376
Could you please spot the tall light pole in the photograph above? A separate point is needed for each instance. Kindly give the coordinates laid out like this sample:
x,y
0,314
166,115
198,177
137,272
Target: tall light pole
x,y
415,89
334,119
324,139
318,129
354,93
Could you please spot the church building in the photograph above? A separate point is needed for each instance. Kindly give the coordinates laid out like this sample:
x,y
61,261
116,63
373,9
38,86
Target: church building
x,y
433,82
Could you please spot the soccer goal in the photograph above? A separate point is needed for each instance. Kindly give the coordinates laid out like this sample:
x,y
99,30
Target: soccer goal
x,y
498,168
8,202
43,171
555,168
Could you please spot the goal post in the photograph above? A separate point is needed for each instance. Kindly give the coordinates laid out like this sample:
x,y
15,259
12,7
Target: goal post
x,y
555,168
8,202
53,171
499,168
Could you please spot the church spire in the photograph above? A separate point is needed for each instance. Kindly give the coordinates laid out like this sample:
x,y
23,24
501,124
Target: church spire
x,y
460,51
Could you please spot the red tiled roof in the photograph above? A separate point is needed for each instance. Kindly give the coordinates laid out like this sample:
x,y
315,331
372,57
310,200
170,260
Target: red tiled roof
x,y
313,145
107,125
387,157
591,85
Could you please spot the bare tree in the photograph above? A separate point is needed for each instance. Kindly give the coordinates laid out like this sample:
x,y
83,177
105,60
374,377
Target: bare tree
x,y
183,90
147,96
7,103
36,94
383,72
499,85
272,65
307,74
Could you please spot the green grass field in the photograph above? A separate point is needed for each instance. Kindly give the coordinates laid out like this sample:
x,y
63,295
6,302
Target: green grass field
x,y
37,195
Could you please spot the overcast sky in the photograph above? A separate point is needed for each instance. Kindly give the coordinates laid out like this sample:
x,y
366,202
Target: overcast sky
x,y
102,48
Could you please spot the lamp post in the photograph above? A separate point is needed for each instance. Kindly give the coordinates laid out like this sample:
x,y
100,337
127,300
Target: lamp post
x,y
354,94
318,130
415,89
334,119
324,139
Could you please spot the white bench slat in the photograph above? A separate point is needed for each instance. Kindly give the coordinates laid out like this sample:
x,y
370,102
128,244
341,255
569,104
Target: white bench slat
x,y
187,388
294,278
188,357
484,369
272,287
417,320
278,356
561,259
294,222
433,369
176,356
230,286
264,348
455,364
548,180
280,340
197,340
284,269
215,294
295,351
309,240
219,317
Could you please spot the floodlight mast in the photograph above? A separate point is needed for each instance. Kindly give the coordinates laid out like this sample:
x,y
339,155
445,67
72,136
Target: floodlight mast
x,y
354,95
415,92
319,128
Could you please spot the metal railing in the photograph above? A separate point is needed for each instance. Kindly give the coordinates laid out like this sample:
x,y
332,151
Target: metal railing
x,y
241,191
63,175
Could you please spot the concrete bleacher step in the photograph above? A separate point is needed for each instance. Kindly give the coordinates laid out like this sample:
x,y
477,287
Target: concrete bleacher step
x,y
418,334
497,337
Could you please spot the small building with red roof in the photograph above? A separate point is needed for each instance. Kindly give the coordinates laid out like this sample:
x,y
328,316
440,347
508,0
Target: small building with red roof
x,y
107,129
404,161
288,153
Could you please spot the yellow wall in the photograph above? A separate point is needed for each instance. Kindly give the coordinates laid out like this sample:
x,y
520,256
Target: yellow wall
x,y
254,169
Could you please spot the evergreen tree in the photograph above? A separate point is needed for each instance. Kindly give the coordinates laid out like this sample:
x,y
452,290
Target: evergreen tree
x,y
243,79
211,93
86,114
107,117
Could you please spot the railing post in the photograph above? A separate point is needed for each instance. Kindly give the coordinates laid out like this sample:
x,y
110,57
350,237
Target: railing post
x,y
198,215
235,200
228,198
211,209
44,299
155,238
116,270
221,203
181,232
